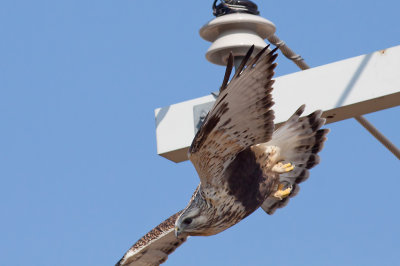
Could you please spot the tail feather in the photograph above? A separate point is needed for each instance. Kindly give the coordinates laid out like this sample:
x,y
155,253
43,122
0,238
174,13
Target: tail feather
x,y
299,140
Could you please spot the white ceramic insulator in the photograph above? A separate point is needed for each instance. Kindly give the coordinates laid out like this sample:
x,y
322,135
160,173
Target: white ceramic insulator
x,y
235,33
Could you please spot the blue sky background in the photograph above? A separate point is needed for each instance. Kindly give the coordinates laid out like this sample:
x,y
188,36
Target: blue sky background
x,y
80,179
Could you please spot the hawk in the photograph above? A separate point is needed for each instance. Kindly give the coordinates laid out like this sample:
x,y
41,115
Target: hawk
x,y
243,162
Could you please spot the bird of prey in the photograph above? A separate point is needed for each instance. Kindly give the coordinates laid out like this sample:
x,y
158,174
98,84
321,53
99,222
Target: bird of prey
x,y
242,160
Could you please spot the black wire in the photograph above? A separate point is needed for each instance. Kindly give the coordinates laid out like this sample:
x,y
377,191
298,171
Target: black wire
x,y
234,6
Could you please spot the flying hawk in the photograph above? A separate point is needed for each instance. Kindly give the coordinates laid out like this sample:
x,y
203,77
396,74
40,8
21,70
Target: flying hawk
x,y
243,162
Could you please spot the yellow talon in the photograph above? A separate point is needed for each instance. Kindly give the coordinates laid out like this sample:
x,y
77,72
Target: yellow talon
x,y
281,193
288,167
282,168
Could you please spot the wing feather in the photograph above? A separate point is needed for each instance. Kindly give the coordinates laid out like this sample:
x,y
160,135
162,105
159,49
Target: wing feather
x,y
228,72
244,61
300,140
241,117
154,248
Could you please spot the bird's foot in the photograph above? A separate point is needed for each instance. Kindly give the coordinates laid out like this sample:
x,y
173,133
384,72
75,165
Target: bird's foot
x,y
283,191
281,168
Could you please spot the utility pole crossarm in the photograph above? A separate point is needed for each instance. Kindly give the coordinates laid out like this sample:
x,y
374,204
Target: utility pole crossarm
x,y
344,89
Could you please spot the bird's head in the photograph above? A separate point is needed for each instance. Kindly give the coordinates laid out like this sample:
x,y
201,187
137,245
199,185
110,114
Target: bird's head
x,y
191,222
195,218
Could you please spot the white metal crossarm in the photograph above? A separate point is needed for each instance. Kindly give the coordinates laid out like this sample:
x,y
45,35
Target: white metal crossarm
x,y
352,87
299,61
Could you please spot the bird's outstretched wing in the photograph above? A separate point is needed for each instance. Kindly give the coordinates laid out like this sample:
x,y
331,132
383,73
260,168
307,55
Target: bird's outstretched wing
x,y
241,116
301,139
155,246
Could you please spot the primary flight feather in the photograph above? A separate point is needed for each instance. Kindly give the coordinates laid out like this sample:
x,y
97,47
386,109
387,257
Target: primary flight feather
x,y
243,162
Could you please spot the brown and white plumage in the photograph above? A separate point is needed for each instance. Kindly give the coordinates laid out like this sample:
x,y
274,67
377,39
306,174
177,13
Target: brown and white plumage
x,y
241,116
155,246
301,139
240,159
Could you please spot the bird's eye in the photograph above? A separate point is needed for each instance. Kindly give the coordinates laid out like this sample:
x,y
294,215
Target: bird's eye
x,y
187,221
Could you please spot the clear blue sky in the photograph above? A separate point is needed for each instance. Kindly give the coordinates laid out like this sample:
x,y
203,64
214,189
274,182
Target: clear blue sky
x,y
80,177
